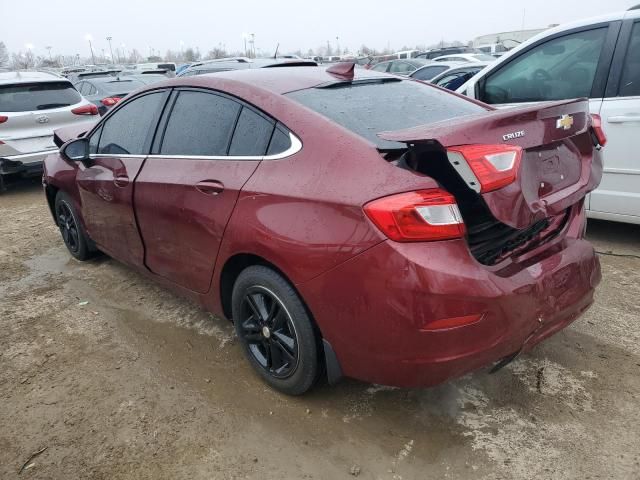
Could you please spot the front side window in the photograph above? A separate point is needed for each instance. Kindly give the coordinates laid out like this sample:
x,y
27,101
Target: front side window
x,y
200,124
630,82
381,67
128,130
558,69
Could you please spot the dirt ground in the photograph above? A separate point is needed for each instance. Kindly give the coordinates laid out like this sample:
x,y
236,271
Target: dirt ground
x,y
138,383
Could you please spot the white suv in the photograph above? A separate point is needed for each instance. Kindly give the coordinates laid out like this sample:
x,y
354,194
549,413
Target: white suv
x,y
598,58
32,105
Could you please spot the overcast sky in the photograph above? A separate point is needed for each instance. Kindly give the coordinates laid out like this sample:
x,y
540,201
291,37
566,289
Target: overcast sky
x,y
299,24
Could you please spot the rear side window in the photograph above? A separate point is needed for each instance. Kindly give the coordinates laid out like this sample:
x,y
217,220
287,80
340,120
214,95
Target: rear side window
x,y
280,141
252,134
630,83
401,67
200,124
27,97
368,108
558,69
127,131
427,73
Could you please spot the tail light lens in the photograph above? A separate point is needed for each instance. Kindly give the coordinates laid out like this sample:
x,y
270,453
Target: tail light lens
x,y
495,166
89,109
424,215
110,101
3,118
596,125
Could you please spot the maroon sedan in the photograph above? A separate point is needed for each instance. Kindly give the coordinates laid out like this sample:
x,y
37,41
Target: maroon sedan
x,y
349,223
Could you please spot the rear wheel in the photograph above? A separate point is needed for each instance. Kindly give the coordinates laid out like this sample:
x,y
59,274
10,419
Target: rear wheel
x,y
73,235
275,330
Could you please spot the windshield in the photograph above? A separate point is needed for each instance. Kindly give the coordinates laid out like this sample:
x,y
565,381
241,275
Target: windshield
x,y
27,97
369,108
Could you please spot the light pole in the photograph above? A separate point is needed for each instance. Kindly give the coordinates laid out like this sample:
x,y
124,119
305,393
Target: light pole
x,y
110,49
253,44
244,37
182,50
88,38
49,49
124,51
337,45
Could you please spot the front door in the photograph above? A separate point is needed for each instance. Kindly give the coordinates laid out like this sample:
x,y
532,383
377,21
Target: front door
x,y
209,146
619,191
118,151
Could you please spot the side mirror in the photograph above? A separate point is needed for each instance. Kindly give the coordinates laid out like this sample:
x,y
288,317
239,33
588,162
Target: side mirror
x,y
76,150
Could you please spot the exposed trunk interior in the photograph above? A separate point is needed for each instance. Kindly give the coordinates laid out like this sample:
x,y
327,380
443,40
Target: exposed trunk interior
x,y
490,240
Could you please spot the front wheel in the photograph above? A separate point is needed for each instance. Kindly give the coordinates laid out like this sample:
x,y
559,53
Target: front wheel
x,y
73,234
275,330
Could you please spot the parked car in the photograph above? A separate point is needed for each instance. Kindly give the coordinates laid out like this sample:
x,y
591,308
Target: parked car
x,y
400,67
455,77
105,92
598,58
433,69
32,105
242,63
146,78
349,222
493,49
439,52
465,57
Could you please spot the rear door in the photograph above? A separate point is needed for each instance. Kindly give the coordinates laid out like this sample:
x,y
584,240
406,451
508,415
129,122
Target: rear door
x,y
207,148
118,150
619,192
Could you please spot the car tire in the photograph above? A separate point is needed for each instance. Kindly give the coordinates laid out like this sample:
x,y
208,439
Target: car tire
x,y
275,330
73,234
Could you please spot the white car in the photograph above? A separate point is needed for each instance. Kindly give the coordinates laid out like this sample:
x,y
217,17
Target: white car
x,y
598,58
32,106
465,57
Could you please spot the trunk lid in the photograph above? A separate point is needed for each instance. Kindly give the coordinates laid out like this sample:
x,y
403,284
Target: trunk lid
x,y
558,166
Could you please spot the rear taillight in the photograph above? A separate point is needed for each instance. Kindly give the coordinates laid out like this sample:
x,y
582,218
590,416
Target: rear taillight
x,y
596,125
423,215
89,109
3,118
110,101
495,166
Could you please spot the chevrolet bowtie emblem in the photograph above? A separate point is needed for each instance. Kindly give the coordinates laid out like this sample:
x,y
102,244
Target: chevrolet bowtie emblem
x,y
565,122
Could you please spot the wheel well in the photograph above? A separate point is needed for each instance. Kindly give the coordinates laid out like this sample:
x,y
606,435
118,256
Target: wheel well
x,y
51,192
232,269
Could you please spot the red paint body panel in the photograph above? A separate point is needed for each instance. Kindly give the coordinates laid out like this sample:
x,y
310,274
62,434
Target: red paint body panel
x,y
371,298
181,222
380,301
106,198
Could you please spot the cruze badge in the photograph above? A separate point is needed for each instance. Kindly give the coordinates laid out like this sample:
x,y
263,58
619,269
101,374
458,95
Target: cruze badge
x,y
42,119
513,135
565,122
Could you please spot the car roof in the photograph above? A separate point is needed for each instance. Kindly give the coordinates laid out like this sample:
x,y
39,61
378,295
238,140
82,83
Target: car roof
x,y
277,80
29,77
444,64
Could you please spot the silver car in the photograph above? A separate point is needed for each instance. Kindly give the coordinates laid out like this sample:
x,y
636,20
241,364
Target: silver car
x,y
32,106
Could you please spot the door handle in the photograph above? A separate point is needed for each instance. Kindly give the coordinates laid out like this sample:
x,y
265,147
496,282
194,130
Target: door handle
x,y
210,187
121,181
624,118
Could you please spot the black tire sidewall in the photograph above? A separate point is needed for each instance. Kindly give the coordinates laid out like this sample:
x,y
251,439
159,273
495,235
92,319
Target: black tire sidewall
x,y
307,370
83,252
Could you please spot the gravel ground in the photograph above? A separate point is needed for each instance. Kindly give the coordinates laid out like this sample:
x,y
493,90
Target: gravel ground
x,y
138,383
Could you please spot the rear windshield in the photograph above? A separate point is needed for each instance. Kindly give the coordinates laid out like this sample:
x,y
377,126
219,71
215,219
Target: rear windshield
x,y
369,108
27,97
122,86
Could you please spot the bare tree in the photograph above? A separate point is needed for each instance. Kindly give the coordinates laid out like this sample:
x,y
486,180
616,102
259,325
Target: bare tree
x,y
23,60
216,52
4,55
191,55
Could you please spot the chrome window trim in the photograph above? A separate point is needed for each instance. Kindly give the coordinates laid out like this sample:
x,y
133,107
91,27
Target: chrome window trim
x,y
295,147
